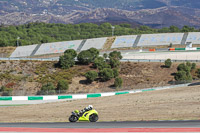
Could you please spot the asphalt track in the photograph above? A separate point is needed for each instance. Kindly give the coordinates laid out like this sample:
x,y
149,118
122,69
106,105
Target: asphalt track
x,y
137,126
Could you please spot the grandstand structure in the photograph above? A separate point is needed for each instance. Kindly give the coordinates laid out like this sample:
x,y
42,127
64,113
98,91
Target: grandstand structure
x,y
144,40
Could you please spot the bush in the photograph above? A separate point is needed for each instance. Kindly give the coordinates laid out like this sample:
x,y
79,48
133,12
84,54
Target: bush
x,y
115,72
6,91
85,57
193,66
181,76
62,85
168,63
94,52
114,63
91,76
66,61
47,89
71,52
115,55
99,61
105,55
106,74
183,67
118,82
198,73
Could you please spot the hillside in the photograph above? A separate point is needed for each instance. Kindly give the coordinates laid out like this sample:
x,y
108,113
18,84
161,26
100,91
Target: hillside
x,y
26,78
155,13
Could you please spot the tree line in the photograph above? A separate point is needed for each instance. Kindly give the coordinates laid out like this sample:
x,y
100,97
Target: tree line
x,y
39,32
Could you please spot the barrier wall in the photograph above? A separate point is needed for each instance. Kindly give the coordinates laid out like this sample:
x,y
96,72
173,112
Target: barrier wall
x,y
57,47
23,51
124,41
97,43
160,39
193,37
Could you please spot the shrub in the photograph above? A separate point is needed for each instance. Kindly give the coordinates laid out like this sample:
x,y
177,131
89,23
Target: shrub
x,y
180,76
71,52
115,72
47,89
99,61
105,55
118,82
94,52
66,61
183,67
114,63
106,74
7,91
193,66
115,55
62,85
198,73
91,76
168,63
85,57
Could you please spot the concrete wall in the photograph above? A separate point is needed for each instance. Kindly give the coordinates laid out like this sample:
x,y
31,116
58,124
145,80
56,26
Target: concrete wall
x,y
124,41
57,47
23,51
97,43
193,37
160,39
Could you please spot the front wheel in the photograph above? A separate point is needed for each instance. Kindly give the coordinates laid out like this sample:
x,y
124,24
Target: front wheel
x,y
73,118
93,117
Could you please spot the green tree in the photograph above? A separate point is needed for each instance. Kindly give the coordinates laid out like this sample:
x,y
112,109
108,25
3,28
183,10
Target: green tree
x,y
115,72
66,61
62,86
94,52
99,63
105,55
181,76
71,52
85,57
118,82
168,63
115,55
91,76
106,74
47,89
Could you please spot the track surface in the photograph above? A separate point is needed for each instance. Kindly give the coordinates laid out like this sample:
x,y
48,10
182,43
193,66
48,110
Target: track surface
x,y
138,124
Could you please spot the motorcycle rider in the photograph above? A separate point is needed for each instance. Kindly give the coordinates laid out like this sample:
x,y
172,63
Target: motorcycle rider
x,y
90,107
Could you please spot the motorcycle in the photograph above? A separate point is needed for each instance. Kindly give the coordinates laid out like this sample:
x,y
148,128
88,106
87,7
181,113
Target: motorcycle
x,y
90,116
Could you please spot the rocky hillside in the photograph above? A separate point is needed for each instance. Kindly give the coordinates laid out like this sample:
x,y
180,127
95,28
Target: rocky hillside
x,y
155,13
26,77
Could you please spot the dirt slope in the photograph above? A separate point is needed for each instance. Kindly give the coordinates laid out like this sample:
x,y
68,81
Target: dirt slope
x,y
172,104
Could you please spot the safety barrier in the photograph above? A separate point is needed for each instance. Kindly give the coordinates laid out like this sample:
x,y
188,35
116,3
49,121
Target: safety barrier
x,y
83,96
183,49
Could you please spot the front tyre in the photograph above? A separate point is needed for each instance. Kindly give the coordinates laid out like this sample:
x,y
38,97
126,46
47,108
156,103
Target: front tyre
x,y
73,118
93,117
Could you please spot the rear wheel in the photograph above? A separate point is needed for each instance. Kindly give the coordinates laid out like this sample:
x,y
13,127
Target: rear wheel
x,y
73,118
93,117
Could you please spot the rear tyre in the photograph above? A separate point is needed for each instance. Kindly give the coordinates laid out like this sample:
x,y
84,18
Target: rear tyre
x,y
73,118
93,117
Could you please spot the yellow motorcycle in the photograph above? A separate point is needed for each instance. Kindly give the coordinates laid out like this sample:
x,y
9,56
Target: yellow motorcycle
x,y
90,116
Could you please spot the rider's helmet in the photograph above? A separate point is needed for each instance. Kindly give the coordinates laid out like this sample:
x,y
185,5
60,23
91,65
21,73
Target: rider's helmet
x,y
90,107
76,111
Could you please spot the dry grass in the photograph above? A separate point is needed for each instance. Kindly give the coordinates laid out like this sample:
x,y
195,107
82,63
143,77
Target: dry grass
x,y
172,104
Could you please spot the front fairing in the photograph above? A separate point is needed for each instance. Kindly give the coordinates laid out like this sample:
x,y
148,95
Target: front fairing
x,y
86,115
